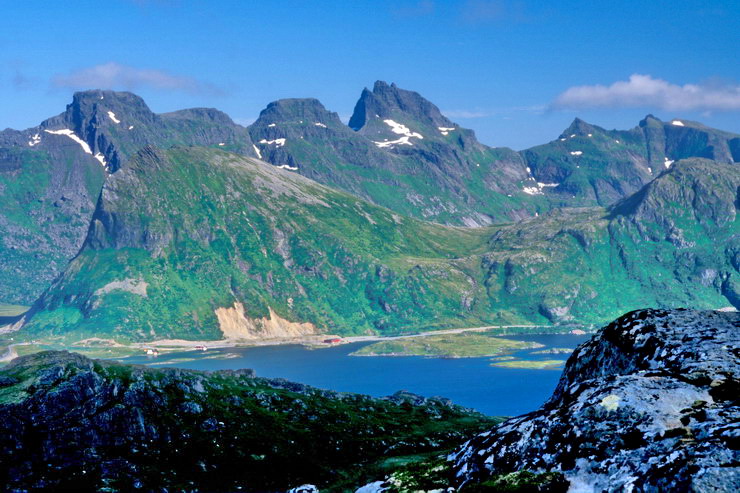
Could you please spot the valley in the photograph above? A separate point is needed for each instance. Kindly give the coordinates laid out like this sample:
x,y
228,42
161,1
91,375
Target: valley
x,y
370,247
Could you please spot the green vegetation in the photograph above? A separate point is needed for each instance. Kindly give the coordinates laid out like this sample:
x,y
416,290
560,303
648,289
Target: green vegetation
x,y
463,345
435,474
554,350
46,201
12,310
531,364
521,482
197,230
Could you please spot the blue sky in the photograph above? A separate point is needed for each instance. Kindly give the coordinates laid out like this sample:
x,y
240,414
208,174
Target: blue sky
x,y
514,71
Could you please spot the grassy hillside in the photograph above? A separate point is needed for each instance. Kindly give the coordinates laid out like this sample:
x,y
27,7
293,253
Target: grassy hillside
x,y
197,243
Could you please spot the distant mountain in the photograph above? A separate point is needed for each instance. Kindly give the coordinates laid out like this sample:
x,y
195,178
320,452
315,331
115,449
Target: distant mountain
x,y
197,243
403,154
409,160
588,165
51,176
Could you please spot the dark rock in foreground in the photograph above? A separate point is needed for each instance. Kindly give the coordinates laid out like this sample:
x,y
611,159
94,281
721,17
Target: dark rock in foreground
x,y
649,404
74,424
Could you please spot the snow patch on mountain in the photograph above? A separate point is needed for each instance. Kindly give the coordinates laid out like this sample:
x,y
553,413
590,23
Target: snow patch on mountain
x,y
69,133
112,116
533,190
101,159
400,129
277,142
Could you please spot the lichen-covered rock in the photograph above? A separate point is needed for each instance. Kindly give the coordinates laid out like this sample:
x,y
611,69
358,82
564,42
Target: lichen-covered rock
x,y
648,404
68,423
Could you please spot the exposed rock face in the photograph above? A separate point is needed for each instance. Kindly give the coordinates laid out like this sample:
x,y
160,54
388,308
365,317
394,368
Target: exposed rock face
x,y
75,424
648,404
385,101
237,325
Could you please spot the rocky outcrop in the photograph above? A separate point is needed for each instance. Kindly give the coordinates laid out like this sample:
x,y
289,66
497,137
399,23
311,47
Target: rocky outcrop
x,y
387,101
648,404
75,424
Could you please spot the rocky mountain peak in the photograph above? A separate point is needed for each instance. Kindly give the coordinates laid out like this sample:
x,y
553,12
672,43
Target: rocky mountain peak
x,y
98,106
650,120
581,128
211,115
296,110
389,102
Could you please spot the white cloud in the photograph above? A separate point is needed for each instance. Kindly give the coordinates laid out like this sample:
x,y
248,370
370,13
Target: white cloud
x,y
646,91
113,75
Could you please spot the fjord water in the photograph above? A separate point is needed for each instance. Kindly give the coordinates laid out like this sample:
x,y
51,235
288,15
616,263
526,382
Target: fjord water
x,y
470,382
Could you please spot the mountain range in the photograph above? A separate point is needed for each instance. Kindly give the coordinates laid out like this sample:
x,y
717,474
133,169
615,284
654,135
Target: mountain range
x,y
120,222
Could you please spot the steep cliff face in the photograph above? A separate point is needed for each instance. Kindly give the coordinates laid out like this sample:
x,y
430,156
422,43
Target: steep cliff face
x,y
648,404
75,424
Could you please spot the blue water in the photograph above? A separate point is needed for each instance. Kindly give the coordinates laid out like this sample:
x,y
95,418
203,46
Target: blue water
x,y
470,382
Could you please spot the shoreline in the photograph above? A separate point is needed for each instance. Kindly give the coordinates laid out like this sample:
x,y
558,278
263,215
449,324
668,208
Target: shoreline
x,y
174,346
317,341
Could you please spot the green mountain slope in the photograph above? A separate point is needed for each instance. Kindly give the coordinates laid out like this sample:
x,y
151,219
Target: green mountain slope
x,y
588,165
198,243
399,152
47,197
51,176
180,236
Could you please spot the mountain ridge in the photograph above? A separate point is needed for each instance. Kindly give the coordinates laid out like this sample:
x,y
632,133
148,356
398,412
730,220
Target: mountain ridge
x,y
492,282
186,236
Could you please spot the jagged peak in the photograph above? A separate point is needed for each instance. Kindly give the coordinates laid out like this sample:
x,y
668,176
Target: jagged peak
x,y
581,128
387,101
97,104
650,118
